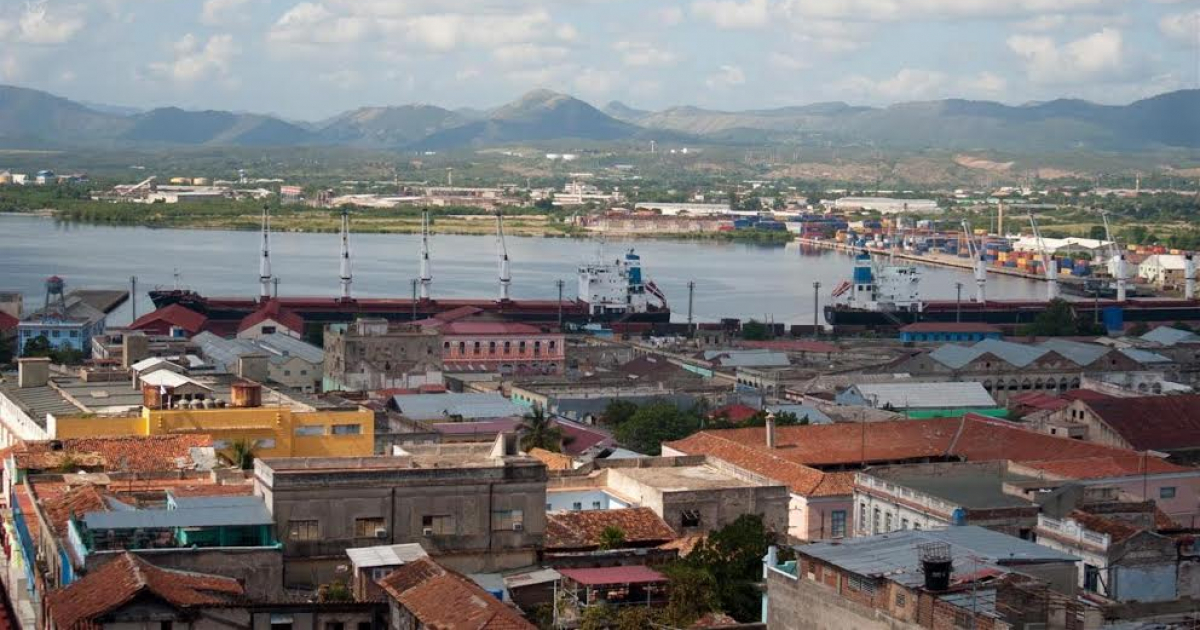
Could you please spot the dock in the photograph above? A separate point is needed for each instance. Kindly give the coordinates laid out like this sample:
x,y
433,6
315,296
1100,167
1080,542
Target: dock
x,y
940,260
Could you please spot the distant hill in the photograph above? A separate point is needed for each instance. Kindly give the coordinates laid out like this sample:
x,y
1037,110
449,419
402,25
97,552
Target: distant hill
x,y
539,115
33,118
389,126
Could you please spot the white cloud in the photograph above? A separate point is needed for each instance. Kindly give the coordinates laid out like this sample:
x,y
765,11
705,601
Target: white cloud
x,y
10,68
218,12
785,61
595,83
1182,27
906,85
528,54
343,79
669,16
194,62
1042,23
731,14
896,10
987,84
1094,56
567,33
38,25
726,77
309,23
643,54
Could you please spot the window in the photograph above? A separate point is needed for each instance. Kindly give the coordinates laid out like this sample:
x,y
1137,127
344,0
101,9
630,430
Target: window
x,y
491,347
268,330
74,333
446,346
477,346
507,347
265,443
281,622
577,506
521,347
862,517
334,625
862,585
56,334
875,522
887,520
900,600
287,372
837,527
1167,492
365,527
310,429
304,530
552,345
903,523
438,524
462,347
595,505
364,625
347,429
1091,578
507,520
916,525
689,518
303,372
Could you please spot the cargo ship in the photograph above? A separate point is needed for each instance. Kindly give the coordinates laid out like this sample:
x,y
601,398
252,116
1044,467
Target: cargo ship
x,y
609,291
887,296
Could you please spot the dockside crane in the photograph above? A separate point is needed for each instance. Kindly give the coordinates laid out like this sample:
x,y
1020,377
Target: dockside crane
x,y
502,253
1117,259
980,264
1048,262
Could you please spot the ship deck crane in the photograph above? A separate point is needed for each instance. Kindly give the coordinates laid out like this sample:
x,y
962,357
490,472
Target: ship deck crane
x,y
502,252
980,264
426,275
1117,258
1048,262
345,277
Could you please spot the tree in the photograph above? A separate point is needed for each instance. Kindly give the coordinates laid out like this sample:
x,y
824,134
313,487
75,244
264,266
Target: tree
x,y
1059,320
335,591
38,346
596,617
612,538
692,593
733,556
539,431
755,330
655,423
241,453
618,412
1098,232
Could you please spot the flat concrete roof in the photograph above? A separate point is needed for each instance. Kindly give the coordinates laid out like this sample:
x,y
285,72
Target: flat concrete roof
x,y
968,487
681,478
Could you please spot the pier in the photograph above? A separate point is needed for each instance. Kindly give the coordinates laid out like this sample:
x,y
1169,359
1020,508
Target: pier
x,y
941,260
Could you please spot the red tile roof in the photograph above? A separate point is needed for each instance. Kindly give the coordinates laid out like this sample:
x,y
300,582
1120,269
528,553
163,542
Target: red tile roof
x,y
273,311
8,322
578,438
121,580
1038,400
1085,394
552,460
1116,530
444,600
950,327
799,448
1106,467
113,454
172,315
60,502
635,574
1159,423
582,530
735,413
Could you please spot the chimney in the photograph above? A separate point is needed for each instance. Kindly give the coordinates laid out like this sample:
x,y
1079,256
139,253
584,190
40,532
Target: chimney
x,y
33,372
252,367
771,430
134,348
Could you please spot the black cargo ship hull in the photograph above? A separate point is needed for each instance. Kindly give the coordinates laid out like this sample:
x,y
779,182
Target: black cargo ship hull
x,y
1010,315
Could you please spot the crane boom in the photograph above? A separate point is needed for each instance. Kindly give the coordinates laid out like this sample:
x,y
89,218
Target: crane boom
x,y
980,264
1118,259
1048,262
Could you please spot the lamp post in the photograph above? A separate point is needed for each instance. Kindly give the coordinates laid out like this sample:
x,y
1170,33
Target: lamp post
x,y
816,309
958,302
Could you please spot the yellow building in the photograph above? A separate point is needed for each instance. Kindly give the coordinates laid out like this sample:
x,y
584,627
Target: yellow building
x,y
276,431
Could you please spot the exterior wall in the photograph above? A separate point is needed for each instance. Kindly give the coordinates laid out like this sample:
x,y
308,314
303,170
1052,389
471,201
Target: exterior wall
x,y
1143,568
812,518
398,358
16,425
597,499
878,513
260,569
944,337
277,430
804,604
297,373
61,334
507,354
266,327
717,507
906,508
470,496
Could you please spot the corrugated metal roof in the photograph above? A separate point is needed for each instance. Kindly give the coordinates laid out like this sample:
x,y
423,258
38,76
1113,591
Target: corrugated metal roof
x,y
205,517
950,395
895,556
1075,351
748,358
1021,355
278,348
288,346
39,401
814,415
635,574
385,555
1144,356
1168,336
451,404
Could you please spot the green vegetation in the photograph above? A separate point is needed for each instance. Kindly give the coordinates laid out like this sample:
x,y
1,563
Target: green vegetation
x,y
1060,320
612,538
755,330
654,423
241,454
40,347
537,431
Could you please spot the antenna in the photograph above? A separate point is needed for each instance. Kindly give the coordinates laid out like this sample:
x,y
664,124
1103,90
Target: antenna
x,y
502,252
346,277
264,265
426,275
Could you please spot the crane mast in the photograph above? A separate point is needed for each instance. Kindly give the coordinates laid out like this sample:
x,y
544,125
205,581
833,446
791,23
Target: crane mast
x,y
345,276
980,264
1118,259
1048,262
426,275
264,263
502,253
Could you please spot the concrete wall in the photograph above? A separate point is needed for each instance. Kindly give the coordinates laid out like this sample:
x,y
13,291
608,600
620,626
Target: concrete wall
x,y
259,569
803,604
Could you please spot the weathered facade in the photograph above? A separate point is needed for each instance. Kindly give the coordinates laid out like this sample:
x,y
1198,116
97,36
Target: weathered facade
x,y
372,354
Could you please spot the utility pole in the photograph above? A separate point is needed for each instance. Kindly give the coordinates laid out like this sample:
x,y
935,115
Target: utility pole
x,y
275,281
958,302
559,283
816,309
691,293
133,295
415,282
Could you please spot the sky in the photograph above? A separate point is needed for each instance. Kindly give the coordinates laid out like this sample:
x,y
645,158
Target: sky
x,y
312,59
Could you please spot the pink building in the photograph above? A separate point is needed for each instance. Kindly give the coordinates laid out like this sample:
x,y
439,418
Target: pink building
x,y
473,343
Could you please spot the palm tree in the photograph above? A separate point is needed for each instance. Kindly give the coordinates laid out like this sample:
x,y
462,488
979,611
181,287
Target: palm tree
x,y
612,538
241,453
538,431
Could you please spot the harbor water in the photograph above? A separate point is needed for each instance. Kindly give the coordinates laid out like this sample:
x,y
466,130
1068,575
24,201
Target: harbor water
x,y
742,280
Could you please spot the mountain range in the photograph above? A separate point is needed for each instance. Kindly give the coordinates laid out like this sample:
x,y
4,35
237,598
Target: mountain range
x,y
34,119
